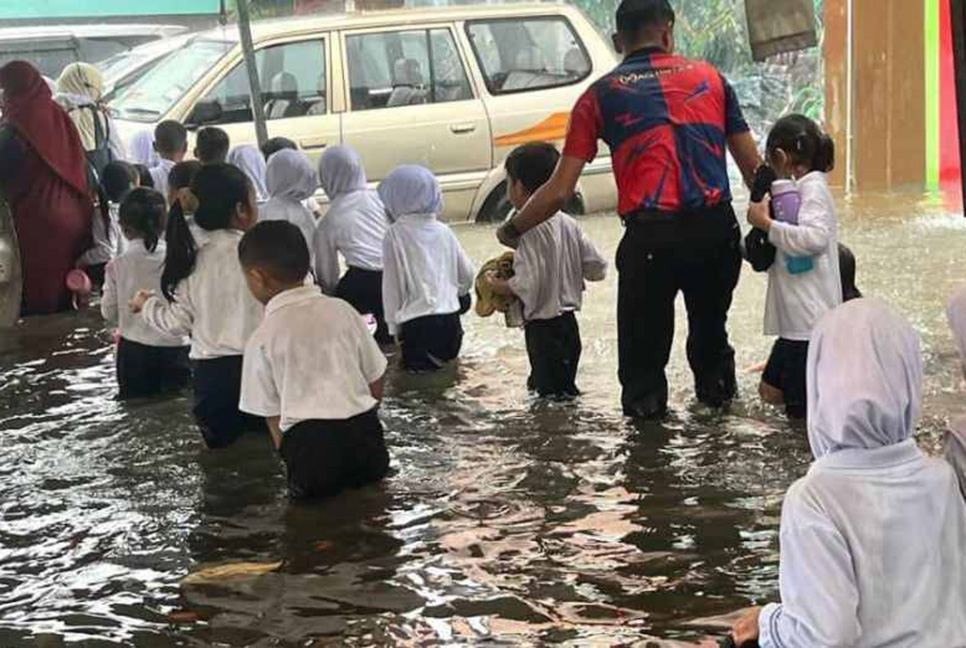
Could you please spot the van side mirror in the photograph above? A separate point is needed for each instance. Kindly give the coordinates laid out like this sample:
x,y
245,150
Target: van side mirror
x,y
205,112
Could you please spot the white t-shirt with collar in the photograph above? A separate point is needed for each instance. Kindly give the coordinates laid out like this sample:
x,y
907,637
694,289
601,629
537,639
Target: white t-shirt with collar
x,y
313,358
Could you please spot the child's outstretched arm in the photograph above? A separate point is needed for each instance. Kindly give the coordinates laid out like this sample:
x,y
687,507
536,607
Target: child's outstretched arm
x,y
174,318
109,308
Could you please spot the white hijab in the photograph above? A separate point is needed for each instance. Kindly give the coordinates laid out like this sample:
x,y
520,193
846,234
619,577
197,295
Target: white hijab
x,y
250,160
341,172
141,149
411,190
290,175
864,379
956,437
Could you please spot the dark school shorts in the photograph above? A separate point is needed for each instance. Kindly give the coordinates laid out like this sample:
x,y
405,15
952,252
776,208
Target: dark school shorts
x,y
786,371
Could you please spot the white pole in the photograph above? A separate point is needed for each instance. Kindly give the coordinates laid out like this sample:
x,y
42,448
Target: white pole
x,y
849,98
255,88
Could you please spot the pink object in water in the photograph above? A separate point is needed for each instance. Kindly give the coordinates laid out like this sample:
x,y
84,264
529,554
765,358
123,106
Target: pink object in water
x,y
786,200
79,283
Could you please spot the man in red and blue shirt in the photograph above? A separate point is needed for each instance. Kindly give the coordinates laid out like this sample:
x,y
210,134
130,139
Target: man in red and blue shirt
x,y
669,122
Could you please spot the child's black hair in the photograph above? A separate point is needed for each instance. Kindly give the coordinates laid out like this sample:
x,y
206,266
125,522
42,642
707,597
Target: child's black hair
x,y
804,142
183,173
144,173
219,189
143,211
117,179
635,15
170,137
847,271
278,249
276,144
532,164
211,145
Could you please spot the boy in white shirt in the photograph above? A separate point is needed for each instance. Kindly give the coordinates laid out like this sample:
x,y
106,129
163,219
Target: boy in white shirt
x,y
551,263
312,369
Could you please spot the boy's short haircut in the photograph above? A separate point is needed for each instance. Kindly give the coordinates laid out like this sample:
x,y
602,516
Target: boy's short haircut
x,y
276,144
117,179
145,174
532,164
635,15
278,249
183,173
170,137
211,145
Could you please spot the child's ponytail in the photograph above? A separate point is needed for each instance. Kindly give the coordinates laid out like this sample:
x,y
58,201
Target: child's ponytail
x,y
803,142
825,156
182,252
142,214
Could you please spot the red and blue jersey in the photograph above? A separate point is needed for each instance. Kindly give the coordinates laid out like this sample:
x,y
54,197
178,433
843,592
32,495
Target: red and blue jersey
x,y
666,120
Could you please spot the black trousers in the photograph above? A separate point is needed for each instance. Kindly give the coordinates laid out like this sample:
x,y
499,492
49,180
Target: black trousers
x,y
428,343
694,252
786,370
363,289
554,349
322,458
217,385
144,371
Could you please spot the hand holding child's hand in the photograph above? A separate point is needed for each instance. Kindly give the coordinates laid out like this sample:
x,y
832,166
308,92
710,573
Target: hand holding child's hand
x,y
746,629
137,302
759,216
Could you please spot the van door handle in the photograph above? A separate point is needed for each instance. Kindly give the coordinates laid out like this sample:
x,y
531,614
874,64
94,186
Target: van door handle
x,y
463,129
314,143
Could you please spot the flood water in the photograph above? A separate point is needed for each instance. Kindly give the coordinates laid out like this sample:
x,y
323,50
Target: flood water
x,y
506,521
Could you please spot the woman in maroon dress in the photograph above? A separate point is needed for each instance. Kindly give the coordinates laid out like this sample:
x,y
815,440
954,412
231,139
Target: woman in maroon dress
x,y
43,177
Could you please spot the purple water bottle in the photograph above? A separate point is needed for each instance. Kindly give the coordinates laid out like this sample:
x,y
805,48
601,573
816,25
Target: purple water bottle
x,y
787,201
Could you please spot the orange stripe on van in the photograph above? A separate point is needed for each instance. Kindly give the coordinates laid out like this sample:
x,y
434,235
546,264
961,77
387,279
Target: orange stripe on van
x,y
550,129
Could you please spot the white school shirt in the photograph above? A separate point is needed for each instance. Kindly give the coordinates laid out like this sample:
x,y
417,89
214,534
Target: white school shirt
x,y
425,270
213,305
356,227
795,303
550,266
108,239
136,269
312,358
159,173
281,208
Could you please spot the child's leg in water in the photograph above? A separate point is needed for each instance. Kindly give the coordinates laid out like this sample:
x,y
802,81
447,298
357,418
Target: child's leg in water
x,y
783,382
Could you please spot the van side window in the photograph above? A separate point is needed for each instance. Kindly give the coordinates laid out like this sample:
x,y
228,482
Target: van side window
x,y
292,78
529,54
405,68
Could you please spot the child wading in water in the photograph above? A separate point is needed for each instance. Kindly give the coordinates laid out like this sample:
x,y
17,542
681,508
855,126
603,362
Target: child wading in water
x,y
550,265
804,281
148,362
206,297
312,369
427,276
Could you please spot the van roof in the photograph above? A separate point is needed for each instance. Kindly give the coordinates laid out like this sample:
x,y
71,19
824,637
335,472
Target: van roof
x,y
49,32
270,29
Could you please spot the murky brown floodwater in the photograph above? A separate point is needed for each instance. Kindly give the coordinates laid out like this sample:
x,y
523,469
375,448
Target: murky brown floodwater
x,y
507,521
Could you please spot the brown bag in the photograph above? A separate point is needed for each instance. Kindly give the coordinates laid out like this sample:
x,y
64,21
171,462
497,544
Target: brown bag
x,y
779,26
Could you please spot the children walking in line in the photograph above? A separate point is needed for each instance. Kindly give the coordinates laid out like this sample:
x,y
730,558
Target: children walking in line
x,y
211,145
291,180
148,362
117,179
427,276
250,160
312,369
551,263
206,297
171,145
804,281
354,227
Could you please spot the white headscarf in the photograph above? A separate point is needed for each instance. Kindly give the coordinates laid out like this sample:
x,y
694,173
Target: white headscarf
x,y
290,175
341,171
250,160
79,88
411,189
956,436
864,379
141,149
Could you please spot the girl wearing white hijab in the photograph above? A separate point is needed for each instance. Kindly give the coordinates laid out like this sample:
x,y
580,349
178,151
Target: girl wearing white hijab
x,y
250,160
141,149
80,89
290,180
873,537
427,276
956,435
356,227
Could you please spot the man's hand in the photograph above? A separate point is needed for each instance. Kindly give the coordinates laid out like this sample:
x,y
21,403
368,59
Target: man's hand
x,y
547,201
746,628
759,216
137,302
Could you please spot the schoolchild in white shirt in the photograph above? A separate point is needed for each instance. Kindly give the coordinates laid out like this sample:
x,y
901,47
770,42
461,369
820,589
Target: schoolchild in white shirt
x,y
551,263
427,276
148,362
205,296
117,179
290,180
312,369
171,145
804,282
355,227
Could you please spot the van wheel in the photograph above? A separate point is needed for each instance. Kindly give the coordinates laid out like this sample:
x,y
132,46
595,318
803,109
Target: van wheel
x,y
497,207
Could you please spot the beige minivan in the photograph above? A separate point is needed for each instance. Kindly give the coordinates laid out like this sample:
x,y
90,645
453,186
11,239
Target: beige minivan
x,y
452,89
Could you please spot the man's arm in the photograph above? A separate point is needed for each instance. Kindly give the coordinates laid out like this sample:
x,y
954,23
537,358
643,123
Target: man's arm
x,y
745,152
546,202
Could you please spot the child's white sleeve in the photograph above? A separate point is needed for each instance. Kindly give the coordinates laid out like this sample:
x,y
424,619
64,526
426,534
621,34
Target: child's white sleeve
x,y
326,257
109,296
594,264
174,318
104,248
393,284
371,358
466,274
956,453
816,225
259,393
526,266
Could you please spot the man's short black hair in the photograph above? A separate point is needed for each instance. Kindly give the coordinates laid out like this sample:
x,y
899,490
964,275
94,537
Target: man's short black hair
x,y
170,137
635,15
278,249
532,164
117,179
211,145
276,144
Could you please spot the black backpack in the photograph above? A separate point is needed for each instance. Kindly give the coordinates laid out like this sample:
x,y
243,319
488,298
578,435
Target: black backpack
x,y
101,156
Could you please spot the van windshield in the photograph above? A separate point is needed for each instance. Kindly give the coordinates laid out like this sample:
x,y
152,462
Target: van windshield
x,y
150,97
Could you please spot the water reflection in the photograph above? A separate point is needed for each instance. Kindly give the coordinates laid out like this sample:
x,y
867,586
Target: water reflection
x,y
506,520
